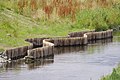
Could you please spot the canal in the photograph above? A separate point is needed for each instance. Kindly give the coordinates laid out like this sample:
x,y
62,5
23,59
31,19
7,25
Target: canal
x,y
69,63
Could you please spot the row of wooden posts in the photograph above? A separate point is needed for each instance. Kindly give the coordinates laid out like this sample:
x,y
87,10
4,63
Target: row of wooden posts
x,y
44,47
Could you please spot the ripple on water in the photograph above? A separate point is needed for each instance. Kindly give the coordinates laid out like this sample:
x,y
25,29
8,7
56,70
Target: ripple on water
x,y
70,63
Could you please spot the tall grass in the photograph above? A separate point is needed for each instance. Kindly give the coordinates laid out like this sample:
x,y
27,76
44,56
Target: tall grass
x,y
61,8
99,19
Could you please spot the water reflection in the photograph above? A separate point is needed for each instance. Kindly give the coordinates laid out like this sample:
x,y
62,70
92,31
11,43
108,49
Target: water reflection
x,y
98,46
62,50
19,64
12,65
40,63
103,41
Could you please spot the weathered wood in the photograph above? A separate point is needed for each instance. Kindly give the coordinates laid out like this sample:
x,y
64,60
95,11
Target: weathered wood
x,y
37,42
16,53
73,39
99,35
78,34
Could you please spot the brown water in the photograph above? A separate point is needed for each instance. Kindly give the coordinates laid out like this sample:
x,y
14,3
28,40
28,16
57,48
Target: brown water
x,y
70,63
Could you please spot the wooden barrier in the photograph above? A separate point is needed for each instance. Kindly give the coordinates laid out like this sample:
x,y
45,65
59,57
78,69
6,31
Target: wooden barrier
x,y
78,34
59,42
37,42
16,53
99,35
38,53
73,39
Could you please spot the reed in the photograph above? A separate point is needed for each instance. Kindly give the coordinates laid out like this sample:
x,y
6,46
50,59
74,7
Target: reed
x,y
64,8
33,5
48,9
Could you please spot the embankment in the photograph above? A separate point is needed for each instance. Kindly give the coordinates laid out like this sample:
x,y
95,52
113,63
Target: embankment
x,y
44,47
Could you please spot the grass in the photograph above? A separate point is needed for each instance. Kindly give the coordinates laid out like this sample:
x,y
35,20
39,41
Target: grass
x,y
21,19
115,75
14,29
99,19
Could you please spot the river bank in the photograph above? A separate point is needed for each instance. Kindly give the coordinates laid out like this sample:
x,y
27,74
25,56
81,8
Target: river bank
x,y
115,74
17,26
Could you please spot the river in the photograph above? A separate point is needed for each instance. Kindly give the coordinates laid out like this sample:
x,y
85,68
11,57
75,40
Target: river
x,y
69,63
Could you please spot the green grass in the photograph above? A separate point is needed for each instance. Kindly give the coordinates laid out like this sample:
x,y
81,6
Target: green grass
x,y
16,27
115,75
99,19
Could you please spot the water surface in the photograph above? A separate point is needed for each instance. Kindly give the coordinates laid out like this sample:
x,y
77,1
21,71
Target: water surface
x,y
69,63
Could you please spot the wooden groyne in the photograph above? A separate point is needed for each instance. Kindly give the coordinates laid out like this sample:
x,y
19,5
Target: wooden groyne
x,y
44,47
78,34
16,53
37,42
71,41
99,35
42,52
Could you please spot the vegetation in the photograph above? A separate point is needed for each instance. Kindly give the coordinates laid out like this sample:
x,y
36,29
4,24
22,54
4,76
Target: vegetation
x,y
115,75
21,19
